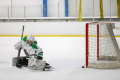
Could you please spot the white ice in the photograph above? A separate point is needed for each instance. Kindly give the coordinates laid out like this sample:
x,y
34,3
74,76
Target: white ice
x,y
65,54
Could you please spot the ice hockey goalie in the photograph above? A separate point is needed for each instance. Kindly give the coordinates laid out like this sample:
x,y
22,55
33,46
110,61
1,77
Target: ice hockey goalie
x,y
34,54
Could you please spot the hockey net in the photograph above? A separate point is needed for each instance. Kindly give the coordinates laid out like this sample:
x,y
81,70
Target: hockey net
x,y
102,50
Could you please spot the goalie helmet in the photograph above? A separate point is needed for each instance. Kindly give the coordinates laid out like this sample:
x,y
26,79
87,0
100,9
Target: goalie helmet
x,y
31,37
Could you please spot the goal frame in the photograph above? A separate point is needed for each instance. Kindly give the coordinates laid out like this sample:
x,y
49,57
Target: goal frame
x,y
87,43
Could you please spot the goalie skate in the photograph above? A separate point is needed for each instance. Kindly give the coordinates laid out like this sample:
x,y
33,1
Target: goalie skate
x,y
47,68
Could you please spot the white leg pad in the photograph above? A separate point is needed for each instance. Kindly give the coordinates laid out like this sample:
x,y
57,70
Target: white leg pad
x,y
40,64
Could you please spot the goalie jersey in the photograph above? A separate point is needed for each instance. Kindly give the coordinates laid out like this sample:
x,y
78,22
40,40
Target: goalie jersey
x,y
32,49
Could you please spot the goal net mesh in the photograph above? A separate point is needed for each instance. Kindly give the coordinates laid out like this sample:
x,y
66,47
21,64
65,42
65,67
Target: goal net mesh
x,y
102,48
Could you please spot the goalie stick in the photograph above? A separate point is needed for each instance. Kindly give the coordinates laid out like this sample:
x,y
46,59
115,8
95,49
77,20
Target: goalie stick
x,y
17,63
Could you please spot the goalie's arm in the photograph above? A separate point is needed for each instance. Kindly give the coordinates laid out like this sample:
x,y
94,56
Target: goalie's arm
x,y
18,45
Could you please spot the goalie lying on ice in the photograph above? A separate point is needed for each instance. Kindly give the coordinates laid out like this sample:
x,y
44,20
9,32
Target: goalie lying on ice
x,y
34,54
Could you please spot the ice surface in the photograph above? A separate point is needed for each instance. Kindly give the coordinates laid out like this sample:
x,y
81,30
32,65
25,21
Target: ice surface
x,y
65,54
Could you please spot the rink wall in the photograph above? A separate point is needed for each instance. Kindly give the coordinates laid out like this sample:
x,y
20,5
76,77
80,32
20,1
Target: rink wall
x,y
48,29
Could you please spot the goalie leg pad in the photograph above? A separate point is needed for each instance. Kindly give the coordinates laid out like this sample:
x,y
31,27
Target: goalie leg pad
x,y
40,64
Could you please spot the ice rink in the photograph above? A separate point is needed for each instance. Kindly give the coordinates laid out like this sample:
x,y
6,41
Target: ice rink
x,y
65,54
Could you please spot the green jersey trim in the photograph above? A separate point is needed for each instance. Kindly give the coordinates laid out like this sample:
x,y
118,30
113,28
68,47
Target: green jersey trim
x,y
25,39
34,45
40,54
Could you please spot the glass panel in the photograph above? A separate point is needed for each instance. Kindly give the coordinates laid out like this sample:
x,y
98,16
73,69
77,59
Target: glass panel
x,y
61,8
17,11
3,12
52,10
33,11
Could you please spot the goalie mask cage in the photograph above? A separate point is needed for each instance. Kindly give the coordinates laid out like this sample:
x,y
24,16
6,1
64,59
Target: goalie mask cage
x,y
102,50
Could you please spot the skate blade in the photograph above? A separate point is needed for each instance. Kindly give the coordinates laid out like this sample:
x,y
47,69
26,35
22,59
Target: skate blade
x,y
48,69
